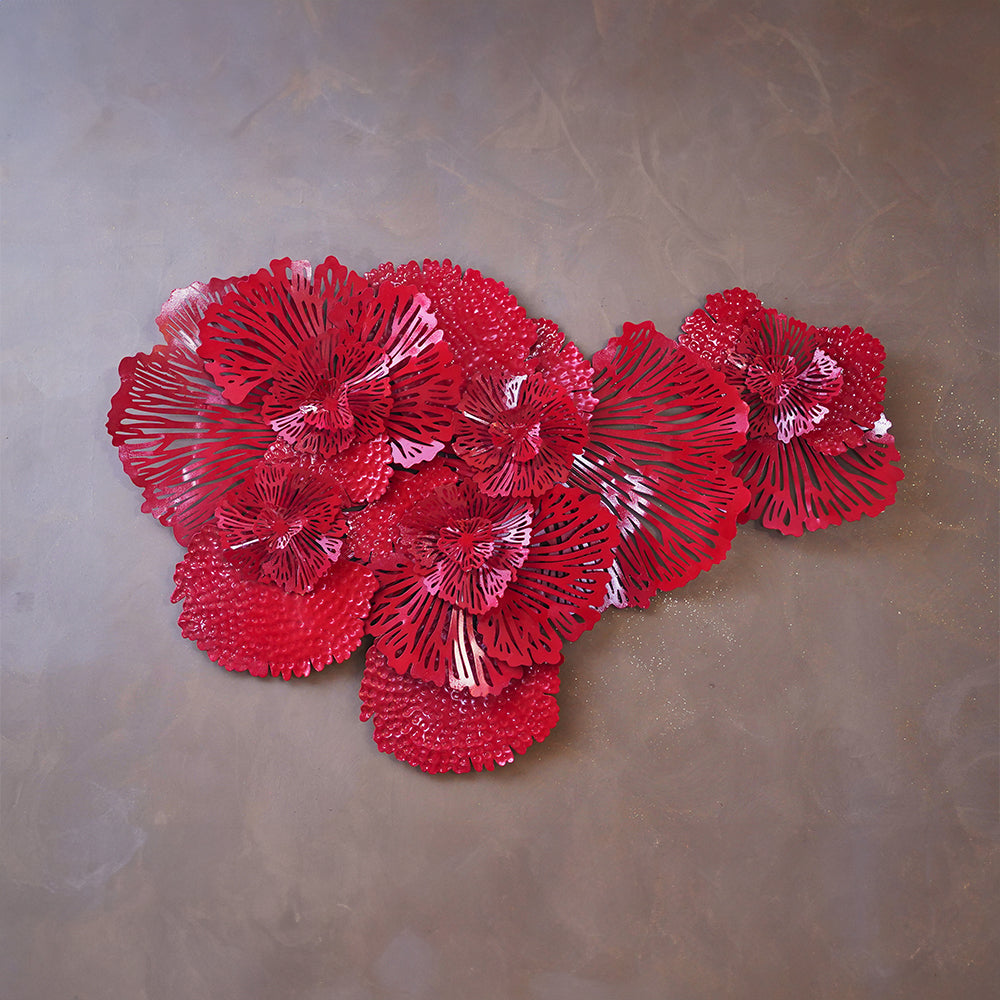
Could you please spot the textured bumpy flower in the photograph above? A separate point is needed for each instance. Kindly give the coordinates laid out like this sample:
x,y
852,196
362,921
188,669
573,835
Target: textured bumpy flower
x,y
245,623
817,450
446,729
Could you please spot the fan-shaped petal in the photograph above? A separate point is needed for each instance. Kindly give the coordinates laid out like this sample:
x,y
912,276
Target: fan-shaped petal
x,y
182,313
442,729
559,590
660,437
424,396
178,439
246,625
795,488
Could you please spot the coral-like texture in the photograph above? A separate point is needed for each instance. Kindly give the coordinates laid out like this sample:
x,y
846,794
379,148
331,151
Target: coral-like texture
x,y
245,623
443,729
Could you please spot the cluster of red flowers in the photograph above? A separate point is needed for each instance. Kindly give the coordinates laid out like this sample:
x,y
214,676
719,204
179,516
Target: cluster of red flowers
x,y
408,455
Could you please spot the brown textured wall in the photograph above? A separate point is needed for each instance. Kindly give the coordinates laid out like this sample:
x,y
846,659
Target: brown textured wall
x,y
780,782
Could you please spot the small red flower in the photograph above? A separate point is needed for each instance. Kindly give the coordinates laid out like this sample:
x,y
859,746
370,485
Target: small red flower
x,y
469,608
815,454
288,521
799,381
467,547
784,392
327,396
519,433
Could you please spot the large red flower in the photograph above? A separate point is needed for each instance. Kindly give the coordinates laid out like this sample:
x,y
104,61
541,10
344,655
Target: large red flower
x,y
816,453
342,362
469,608
442,729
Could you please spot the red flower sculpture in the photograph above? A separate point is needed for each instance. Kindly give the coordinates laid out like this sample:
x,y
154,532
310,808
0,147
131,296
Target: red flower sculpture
x,y
489,586
818,452
289,520
409,456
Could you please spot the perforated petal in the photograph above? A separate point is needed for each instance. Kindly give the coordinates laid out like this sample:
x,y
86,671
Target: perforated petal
x,y
660,437
658,399
795,488
441,729
433,639
559,591
183,312
424,396
178,439
270,315
246,625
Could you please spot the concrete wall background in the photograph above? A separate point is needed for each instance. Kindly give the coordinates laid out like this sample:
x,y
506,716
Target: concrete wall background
x,y
779,782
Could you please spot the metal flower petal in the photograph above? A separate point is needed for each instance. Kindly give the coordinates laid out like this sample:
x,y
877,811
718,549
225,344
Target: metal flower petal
x,y
660,438
245,624
441,729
